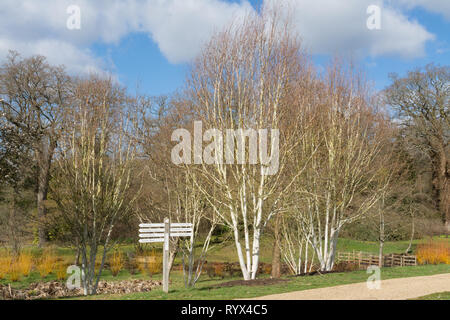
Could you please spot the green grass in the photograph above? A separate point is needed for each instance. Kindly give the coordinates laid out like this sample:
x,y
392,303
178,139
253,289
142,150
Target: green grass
x,y
205,290
374,247
435,296
225,252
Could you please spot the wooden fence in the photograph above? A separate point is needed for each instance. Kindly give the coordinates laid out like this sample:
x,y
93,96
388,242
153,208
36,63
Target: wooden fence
x,y
364,259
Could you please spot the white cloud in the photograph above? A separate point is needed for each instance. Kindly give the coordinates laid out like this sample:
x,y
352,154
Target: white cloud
x,y
179,27
331,26
78,61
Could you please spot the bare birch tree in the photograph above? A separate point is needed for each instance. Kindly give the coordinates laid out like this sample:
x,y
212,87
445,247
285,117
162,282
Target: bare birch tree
x,y
241,85
93,171
295,245
345,174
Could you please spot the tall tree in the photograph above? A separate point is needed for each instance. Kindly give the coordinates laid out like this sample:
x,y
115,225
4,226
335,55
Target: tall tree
x,y
343,171
93,171
33,96
241,85
16,176
422,100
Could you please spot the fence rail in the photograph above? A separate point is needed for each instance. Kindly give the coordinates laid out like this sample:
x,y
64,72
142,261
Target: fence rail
x,y
364,259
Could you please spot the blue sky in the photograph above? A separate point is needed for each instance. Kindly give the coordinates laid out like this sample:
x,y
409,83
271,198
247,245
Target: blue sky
x,y
147,44
437,51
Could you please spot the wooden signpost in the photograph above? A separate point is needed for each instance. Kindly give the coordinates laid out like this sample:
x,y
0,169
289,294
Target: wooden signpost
x,y
161,232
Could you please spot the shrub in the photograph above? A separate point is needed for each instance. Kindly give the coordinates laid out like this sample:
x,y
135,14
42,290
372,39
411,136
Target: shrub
x,y
131,264
46,263
433,252
116,263
141,267
14,272
219,269
154,265
25,263
61,271
344,266
5,265
209,270
150,262
267,269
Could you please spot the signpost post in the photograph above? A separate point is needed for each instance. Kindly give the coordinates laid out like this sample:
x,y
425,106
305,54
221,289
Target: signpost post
x,y
166,256
161,232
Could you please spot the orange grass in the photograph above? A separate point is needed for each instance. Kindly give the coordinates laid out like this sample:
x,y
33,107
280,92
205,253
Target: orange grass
x,y
153,264
433,252
116,263
24,263
5,265
46,263
14,272
61,271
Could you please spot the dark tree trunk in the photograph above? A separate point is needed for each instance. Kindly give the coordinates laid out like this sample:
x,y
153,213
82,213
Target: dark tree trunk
x,y
12,224
440,185
45,155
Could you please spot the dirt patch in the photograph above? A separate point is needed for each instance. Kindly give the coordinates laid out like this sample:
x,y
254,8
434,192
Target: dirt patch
x,y
314,273
55,289
250,283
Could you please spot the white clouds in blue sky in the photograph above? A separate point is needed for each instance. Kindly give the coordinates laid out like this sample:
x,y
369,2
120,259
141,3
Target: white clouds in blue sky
x,y
179,27
436,6
330,26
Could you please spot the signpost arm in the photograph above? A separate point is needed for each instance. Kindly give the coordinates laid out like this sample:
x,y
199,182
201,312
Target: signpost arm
x,y
153,232
166,255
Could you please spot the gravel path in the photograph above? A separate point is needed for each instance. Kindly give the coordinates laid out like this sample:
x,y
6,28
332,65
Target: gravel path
x,y
393,289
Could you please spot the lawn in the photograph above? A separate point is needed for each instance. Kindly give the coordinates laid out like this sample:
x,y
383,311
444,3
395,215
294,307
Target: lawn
x,y
436,296
225,252
205,289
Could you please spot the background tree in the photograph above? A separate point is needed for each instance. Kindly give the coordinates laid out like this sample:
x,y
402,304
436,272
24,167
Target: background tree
x,y
34,95
422,100
16,181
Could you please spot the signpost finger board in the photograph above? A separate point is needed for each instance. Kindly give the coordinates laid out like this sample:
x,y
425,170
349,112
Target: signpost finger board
x,y
161,232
